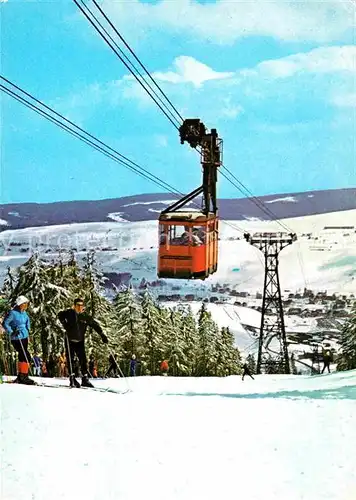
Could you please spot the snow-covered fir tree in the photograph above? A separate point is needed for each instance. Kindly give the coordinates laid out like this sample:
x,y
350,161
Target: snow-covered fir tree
x,y
347,357
133,326
206,352
91,290
189,333
9,284
251,363
175,344
231,360
129,320
153,335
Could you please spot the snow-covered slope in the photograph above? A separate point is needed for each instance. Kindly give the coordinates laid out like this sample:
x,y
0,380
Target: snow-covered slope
x,y
275,438
321,259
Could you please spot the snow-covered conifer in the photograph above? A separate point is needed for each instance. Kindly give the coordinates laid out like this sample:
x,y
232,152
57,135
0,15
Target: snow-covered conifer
x,y
189,333
175,346
347,357
231,361
129,323
251,363
91,289
153,333
206,352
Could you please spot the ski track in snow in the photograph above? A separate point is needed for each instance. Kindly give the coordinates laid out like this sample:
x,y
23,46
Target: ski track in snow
x,y
278,437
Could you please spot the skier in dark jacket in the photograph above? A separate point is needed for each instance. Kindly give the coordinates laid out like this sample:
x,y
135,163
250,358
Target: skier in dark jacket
x,y
246,371
113,365
17,326
75,322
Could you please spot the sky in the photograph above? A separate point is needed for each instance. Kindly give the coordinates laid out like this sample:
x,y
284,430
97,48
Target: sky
x,y
276,79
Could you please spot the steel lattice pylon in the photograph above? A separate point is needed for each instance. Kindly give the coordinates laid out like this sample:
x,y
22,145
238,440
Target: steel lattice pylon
x,y
272,320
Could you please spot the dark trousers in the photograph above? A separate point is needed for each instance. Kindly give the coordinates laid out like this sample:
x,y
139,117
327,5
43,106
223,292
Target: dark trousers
x,y
112,368
326,365
246,372
21,347
91,369
77,348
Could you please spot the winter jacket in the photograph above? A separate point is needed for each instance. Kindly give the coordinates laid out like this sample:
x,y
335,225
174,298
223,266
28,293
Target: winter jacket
x,y
17,324
76,324
164,366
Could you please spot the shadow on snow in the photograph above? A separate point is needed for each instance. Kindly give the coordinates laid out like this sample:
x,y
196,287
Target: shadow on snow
x,y
337,393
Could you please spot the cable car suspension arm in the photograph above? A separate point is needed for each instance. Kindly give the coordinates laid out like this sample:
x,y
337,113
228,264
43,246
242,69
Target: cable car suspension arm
x,y
194,132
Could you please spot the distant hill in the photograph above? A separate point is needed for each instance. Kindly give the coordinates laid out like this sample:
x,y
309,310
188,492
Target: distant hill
x,y
144,207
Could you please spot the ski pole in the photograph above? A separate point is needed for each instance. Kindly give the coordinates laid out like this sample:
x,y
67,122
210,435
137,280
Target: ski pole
x,y
123,376
25,355
69,355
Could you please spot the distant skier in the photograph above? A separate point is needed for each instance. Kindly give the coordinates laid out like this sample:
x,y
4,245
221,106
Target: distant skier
x,y
37,361
246,371
92,366
75,322
327,358
62,364
51,366
17,326
164,367
133,364
113,365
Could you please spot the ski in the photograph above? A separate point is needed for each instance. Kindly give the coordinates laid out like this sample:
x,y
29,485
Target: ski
x,y
59,386
106,389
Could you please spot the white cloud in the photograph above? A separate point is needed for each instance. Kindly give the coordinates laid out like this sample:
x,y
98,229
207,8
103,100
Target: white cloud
x,y
189,70
226,92
225,21
320,60
345,100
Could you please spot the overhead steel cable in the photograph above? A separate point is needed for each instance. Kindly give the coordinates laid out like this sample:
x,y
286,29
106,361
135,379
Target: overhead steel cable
x,y
114,156
251,196
137,59
125,161
240,186
248,194
90,139
243,189
166,111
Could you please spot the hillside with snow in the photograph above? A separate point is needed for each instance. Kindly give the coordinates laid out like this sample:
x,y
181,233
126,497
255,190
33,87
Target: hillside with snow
x,y
277,437
323,258
145,207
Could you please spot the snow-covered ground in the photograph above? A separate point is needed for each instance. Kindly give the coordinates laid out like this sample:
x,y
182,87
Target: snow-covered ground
x,y
278,437
324,264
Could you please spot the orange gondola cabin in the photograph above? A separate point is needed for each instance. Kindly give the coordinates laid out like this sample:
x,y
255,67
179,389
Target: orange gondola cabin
x,y
188,239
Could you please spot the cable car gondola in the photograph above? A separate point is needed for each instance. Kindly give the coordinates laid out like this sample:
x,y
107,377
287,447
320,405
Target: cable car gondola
x,y
188,240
